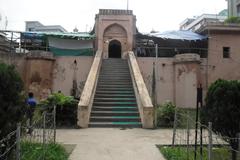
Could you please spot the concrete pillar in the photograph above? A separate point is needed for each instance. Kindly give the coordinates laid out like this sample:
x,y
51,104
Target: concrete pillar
x,y
39,73
186,77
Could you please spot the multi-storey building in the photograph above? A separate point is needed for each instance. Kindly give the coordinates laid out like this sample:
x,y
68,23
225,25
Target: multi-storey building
x,y
233,8
35,26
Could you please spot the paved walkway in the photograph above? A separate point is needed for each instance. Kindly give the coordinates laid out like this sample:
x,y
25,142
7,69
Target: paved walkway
x,y
115,144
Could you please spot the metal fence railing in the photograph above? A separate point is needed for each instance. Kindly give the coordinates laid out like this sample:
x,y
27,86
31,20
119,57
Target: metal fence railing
x,y
42,131
168,52
202,141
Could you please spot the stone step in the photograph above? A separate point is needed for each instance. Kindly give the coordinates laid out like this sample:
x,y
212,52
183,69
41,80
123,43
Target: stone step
x,y
109,69
112,68
114,108
115,119
117,70
119,88
115,62
114,113
113,89
115,103
114,99
109,81
113,59
115,85
114,92
114,96
115,124
114,74
115,82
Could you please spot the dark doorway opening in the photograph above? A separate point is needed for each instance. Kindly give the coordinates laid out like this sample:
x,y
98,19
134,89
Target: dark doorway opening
x,y
114,49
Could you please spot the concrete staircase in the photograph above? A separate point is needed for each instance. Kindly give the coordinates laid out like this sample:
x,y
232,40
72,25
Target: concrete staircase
x,y
114,103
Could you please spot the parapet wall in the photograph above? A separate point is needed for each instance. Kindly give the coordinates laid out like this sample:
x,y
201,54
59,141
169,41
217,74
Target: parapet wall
x,y
115,12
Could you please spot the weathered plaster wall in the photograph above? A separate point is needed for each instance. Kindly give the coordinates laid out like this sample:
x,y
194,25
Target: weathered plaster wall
x,y
70,72
38,78
219,67
18,60
186,81
43,76
164,77
175,82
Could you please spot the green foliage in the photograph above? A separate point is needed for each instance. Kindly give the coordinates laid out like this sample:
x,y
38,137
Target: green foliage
x,y
234,20
223,109
180,153
186,117
165,115
66,108
33,151
12,102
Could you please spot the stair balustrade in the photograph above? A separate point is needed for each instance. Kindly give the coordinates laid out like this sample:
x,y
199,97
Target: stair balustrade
x,y
86,100
144,102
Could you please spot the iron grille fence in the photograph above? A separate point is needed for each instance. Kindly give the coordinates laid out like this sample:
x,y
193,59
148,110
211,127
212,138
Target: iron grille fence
x,y
42,131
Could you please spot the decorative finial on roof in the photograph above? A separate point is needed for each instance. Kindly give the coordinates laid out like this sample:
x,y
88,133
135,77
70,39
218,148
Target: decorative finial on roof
x,y
75,29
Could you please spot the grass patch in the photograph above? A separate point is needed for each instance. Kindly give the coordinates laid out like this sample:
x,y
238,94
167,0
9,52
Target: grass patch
x,y
34,151
180,153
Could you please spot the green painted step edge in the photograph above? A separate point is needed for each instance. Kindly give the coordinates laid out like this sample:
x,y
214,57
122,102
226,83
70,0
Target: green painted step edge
x,y
115,117
117,107
119,92
125,123
114,112
115,102
115,98
124,117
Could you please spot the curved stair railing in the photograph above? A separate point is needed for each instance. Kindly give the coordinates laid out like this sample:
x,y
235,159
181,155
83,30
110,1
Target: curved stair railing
x,y
144,102
87,96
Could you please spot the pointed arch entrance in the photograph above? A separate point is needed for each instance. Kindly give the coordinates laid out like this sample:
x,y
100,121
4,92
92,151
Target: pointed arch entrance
x,y
114,49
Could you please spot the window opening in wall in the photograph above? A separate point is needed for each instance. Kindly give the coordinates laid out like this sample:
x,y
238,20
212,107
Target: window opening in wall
x,y
238,10
226,52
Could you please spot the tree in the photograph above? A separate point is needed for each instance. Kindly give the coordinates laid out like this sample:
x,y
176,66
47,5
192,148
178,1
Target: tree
x,y
223,110
11,99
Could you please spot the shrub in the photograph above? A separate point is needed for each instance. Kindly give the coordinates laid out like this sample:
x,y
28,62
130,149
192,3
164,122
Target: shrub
x,y
66,109
12,102
165,114
223,110
234,20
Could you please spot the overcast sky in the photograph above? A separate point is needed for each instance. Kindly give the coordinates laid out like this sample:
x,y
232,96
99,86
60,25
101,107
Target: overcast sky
x,y
160,15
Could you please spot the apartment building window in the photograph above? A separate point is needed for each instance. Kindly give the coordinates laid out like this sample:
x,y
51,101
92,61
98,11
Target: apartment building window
x,y
226,52
238,10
